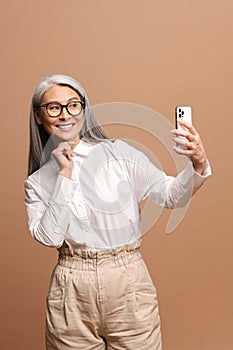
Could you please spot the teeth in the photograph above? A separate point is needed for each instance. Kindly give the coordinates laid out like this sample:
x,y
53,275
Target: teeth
x,y
67,126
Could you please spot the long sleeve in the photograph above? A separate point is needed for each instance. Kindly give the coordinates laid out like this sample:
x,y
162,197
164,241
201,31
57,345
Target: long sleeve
x,y
173,192
152,183
48,212
185,184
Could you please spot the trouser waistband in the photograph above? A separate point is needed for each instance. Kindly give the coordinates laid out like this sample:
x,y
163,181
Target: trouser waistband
x,y
92,258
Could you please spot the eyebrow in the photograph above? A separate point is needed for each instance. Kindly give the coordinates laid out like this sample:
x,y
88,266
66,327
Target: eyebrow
x,y
70,99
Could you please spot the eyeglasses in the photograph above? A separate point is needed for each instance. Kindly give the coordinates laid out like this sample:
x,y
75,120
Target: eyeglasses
x,y
54,109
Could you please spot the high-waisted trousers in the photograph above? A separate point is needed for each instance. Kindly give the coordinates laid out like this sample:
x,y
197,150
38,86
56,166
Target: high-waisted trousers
x,y
100,300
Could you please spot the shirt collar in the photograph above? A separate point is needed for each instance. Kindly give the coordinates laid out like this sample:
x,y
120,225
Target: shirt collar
x,y
83,148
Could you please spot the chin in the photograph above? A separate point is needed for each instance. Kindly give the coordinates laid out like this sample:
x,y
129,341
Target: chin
x,y
66,137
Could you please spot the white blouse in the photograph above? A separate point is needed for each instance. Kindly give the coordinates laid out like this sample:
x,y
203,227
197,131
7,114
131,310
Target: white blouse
x,y
98,208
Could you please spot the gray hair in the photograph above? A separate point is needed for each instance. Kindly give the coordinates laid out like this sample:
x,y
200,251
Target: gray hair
x,y
40,140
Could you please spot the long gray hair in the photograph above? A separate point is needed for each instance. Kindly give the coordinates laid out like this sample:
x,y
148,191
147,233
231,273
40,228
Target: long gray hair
x,y
40,141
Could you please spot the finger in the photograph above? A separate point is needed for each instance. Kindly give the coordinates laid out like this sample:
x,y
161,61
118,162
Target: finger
x,y
71,144
184,152
189,126
186,134
179,132
179,150
180,140
65,147
69,154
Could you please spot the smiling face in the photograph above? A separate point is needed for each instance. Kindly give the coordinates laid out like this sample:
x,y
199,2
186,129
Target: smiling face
x,y
65,127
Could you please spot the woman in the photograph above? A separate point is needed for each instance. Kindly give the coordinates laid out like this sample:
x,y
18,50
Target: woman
x,y
82,195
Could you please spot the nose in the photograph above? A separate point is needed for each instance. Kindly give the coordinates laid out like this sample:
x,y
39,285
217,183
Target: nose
x,y
64,114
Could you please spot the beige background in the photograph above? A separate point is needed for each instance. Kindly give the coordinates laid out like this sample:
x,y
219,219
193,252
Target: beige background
x,y
157,54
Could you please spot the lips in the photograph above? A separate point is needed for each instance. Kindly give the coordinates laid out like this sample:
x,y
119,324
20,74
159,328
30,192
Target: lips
x,y
65,126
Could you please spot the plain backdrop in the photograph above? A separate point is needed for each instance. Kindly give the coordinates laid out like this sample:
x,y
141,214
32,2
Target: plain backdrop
x,y
152,53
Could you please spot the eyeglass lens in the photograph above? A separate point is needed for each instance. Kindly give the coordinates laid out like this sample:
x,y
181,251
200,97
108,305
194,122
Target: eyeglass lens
x,y
54,109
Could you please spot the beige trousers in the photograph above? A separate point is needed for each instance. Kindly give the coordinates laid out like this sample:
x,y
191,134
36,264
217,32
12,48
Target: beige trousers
x,y
102,300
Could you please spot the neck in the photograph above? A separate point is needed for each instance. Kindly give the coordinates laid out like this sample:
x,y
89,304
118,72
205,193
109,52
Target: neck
x,y
57,141
76,142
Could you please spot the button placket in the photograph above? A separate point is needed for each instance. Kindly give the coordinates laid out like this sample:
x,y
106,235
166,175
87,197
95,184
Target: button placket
x,y
81,210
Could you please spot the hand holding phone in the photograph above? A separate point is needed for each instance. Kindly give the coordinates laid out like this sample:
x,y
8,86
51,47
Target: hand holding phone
x,y
195,150
183,113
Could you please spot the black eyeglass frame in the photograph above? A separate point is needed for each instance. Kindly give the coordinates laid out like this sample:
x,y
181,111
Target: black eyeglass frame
x,y
64,106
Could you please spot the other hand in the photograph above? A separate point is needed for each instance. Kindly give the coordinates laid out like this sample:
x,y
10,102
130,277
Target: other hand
x,y
63,155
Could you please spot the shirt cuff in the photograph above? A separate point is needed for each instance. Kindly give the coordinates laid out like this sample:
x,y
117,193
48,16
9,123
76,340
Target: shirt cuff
x,y
190,178
206,172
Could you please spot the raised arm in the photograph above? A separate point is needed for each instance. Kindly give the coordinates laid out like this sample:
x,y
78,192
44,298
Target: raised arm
x,y
47,197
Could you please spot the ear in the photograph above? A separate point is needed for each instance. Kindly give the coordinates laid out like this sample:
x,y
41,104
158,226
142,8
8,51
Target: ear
x,y
38,119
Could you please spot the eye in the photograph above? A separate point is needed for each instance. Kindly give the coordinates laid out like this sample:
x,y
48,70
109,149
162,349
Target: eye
x,y
74,104
53,107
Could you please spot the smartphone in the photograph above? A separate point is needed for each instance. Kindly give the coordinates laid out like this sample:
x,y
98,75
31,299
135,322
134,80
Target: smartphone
x,y
183,113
